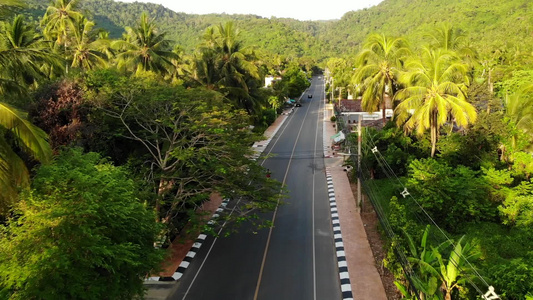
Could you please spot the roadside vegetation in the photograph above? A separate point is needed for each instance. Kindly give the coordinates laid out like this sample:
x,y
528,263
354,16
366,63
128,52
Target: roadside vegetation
x,y
111,139
108,146
450,174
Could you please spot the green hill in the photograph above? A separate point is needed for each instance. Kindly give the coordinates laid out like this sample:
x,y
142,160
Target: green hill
x,y
488,24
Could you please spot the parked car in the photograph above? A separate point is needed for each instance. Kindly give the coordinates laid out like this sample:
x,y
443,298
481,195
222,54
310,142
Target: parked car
x,y
309,96
298,104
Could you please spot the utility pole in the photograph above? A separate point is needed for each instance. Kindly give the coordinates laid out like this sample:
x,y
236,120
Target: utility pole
x,y
359,140
332,89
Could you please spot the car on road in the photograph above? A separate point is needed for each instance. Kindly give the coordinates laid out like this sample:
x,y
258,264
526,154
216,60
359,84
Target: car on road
x,y
298,104
309,96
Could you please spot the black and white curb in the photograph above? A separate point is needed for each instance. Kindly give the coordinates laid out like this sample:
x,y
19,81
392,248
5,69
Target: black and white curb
x,y
344,276
194,249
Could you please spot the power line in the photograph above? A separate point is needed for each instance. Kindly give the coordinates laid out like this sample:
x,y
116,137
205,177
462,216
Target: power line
x,y
389,172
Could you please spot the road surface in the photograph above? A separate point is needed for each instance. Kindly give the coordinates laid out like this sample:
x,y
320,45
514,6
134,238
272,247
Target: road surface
x,y
296,258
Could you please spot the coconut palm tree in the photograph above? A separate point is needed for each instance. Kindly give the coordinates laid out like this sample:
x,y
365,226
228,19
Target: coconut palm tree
x,y
223,64
434,94
24,50
519,108
448,38
86,45
18,54
59,22
16,130
144,49
378,66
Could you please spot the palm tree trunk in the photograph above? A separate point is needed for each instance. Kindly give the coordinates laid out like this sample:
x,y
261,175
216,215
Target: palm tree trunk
x,y
433,131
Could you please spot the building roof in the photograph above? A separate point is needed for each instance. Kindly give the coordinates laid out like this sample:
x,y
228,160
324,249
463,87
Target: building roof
x,y
347,105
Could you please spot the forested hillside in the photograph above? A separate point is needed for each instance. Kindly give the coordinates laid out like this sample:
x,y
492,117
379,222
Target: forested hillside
x,y
266,34
500,25
494,24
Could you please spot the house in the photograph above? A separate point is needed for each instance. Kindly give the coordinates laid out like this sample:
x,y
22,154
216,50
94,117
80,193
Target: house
x,y
351,110
269,80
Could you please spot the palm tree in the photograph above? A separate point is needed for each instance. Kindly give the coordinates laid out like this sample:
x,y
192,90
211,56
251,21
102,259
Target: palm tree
x,y
379,64
18,57
453,39
144,49
434,94
519,110
59,21
13,173
25,52
86,45
223,64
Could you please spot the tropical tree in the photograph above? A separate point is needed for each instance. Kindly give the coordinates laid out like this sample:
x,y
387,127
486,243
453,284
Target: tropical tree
x,y
19,56
223,64
144,49
437,277
86,45
60,21
15,129
80,233
22,55
519,110
434,94
378,67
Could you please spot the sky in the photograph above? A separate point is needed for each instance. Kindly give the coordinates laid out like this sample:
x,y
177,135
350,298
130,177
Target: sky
x,y
296,9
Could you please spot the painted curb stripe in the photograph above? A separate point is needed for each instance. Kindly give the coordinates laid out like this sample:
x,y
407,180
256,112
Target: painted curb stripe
x,y
344,276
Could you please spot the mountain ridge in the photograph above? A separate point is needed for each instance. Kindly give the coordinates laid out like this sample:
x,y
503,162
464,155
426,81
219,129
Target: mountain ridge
x,y
486,24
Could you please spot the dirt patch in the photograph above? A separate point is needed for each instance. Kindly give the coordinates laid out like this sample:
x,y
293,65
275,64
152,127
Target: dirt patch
x,y
371,223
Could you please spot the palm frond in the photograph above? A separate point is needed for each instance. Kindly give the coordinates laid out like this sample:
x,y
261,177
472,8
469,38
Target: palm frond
x,y
32,138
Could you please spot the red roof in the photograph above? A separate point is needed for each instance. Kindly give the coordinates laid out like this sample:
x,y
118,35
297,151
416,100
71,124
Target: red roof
x,y
347,105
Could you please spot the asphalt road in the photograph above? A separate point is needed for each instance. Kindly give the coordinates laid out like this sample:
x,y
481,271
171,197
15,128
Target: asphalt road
x,y
296,258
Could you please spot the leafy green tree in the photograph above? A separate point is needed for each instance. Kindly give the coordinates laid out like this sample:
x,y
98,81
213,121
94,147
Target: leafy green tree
x,y
517,208
450,194
434,93
378,67
81,233
145,49
195,143
293,82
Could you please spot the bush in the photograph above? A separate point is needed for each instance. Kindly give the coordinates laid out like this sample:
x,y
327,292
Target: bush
x,y
450,195
333,119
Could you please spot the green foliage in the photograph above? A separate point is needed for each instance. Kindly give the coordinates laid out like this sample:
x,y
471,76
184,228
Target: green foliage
x,y
450,194
517,207
196,143
293,83
514,278
81,233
